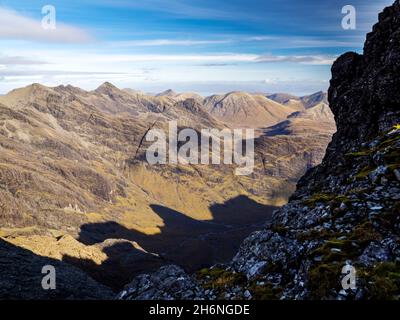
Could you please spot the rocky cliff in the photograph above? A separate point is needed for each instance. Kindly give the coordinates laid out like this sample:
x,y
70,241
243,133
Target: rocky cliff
x,y
344,212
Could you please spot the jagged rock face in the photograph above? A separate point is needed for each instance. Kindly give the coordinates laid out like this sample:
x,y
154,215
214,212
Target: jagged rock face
x,y
346,212
168,277
364,93
364,96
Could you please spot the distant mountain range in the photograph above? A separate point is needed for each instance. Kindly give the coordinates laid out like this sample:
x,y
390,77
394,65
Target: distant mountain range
x,y
72,167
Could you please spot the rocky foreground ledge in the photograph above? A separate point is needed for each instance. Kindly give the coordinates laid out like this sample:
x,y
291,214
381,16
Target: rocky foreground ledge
x,y
345,211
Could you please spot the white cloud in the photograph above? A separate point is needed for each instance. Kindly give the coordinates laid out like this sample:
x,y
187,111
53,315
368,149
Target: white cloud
x,y
311,59
294,42
270,81
287,42
18,27
211,59
178,58
167,42
179,8
89,67
17,60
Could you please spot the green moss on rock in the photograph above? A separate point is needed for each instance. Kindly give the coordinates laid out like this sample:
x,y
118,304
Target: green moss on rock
x,y
264,291
322,279
218,278
383,281
363,153
364,173
364,233
334,199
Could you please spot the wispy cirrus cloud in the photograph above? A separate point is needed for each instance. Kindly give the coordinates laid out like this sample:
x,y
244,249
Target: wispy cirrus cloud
x,y
19,61
182,59
178,8
303,59
271,41
297,42
54,60
166,42
16,26
55,73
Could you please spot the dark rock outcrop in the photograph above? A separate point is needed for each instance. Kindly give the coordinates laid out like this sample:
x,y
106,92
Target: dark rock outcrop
x,y
345,212
364,96
159,286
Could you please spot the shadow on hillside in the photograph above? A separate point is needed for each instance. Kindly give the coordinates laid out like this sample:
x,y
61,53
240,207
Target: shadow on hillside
x,y
279,129
21,278
184,241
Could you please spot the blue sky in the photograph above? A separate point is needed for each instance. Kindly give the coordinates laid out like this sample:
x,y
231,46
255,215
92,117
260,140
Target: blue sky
x,y
198,45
